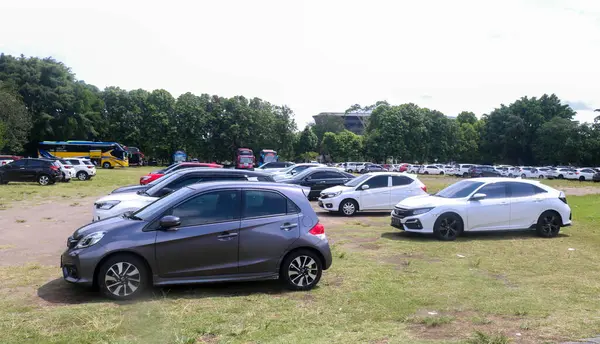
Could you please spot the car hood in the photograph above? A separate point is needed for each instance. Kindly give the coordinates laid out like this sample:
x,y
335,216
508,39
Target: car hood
x,y
127,196
426,201
110,224
131,188
337,188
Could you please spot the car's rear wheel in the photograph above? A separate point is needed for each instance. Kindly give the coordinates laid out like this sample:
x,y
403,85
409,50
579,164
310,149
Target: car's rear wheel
x,y
441,173
541,176
123,277
448,227
106,165
582,179
548,224
301,270
523,175
44,179
81,175
426,172
465,175
348,207
560,176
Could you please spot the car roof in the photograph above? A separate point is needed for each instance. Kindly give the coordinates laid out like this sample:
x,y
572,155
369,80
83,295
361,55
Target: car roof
x,y
232,171
504,179
244,184
411,176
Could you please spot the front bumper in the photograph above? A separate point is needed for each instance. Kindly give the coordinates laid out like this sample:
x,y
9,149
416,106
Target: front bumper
x,y
422,223
330,204
76,268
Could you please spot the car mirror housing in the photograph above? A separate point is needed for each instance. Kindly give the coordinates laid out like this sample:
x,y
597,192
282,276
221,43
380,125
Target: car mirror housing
x,y
478,196
169,222
365,187
164,192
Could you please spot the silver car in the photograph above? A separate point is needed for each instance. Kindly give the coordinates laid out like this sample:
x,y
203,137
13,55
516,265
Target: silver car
x,y
210,232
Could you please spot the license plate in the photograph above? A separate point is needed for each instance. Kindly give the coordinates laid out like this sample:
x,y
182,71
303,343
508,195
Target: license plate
x,y
397,223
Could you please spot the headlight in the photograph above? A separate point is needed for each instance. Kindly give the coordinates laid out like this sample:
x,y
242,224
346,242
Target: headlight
x,y
420,211
90,239
332,194
106,205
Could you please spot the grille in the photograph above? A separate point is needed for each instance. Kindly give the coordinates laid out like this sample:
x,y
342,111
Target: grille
x,y
401,212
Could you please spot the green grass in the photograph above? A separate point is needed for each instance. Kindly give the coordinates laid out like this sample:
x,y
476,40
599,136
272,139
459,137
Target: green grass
x,y
104,182
385,286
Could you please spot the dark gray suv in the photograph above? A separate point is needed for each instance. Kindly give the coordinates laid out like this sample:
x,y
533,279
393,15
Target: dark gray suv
x,y
210,232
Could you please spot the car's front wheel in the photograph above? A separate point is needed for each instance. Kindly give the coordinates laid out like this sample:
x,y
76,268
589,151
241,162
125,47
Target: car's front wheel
x,y
582,179
348,207
548,224
123,277
301,270
448,227
81,175
523,175
106,165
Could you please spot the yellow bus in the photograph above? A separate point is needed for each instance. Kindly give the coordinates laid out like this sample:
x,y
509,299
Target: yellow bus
x,y
105,154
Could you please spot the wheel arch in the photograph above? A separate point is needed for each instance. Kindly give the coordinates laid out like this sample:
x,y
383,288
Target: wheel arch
x,y
455,213
122,252
351,199
552,211
301,248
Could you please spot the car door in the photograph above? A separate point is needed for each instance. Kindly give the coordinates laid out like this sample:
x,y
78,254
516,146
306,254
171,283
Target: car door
x,y
377,196
270,224
401,188
491,212
15,170
206,242
322,180
525,207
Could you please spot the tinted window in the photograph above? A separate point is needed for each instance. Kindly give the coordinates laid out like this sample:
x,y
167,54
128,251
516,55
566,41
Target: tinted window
x,y
587,171
399,180
496,190
292,208
377,182
217,206
181,182
521,189
36,163
19,163
263,203
459,190
325,175
73,162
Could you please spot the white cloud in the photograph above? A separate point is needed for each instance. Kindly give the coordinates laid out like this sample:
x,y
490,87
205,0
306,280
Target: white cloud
x,y
323,55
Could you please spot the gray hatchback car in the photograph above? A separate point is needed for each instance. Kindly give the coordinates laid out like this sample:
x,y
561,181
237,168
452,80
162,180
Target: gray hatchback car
x,y
210,232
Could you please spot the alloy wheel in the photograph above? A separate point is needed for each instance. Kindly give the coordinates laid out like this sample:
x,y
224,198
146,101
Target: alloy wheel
x,y
348,208
448,228
82,176
122,279
550,225
44,180
303,271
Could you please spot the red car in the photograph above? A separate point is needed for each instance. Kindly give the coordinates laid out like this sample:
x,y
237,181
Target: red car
x,y
5,159
175,167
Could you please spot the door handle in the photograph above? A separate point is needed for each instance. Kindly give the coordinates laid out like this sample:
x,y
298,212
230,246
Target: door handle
x,y
504,203
227,236
322,182
538,199
288,226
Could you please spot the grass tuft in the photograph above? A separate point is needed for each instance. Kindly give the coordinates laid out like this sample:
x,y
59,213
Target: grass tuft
x,y
483,338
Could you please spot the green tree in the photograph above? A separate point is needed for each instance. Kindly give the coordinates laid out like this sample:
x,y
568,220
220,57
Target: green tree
x,y
15,122
307,141
466,117
327,123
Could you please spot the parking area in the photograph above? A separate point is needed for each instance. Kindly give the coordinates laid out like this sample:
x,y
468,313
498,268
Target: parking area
x,y
385,286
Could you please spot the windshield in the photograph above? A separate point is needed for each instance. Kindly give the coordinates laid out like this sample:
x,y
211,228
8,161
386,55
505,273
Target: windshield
x,y
303,174
459,190
354,182
244,152
155,208
160,183
245,160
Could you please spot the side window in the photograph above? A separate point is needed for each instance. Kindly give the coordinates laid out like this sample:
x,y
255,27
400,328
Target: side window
x,y
73,162
399,181
258,203
521,190
377,182
178,184
211,207
35,163
496,190
19,163
292,208
538,190
326,175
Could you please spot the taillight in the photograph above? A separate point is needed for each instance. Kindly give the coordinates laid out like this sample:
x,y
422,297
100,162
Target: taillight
x,y
576,172
53,167
90,166
318,230
424,188
68,166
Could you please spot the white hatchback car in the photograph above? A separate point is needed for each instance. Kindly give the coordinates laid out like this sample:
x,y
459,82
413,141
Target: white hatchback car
x,y
84,169
581,174
431,169
485,204
371,192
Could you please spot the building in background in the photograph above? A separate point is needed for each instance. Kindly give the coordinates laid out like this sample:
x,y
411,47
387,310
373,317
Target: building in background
x,y
353,121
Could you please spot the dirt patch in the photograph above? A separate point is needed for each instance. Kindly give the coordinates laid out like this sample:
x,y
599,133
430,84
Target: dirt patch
x,y
369,246
47,224
434,325
588,190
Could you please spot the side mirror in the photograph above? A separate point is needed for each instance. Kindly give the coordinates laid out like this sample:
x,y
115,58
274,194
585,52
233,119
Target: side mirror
x,y
365,187
294,172
164,192
169,221
478,196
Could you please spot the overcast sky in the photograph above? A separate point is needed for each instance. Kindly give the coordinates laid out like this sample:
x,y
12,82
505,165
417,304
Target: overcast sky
x,y
317,56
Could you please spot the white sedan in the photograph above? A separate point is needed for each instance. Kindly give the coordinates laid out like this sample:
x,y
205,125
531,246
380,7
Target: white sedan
x,y
293,170
371,192
485,204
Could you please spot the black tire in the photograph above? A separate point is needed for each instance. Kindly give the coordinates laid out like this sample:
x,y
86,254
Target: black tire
x,y
582,179
349,171
301,270
441,173
523,175
448,227
560,176
82,175
510,175
465,175
106,165
426,172
541,176
44,179
66,180
124,280
548,225
348,207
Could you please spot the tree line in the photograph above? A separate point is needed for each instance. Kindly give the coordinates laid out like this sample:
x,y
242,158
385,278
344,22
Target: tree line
x,y
41,99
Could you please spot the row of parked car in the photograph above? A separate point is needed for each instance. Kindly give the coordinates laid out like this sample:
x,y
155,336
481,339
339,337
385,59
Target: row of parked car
x,y
208,224
46,171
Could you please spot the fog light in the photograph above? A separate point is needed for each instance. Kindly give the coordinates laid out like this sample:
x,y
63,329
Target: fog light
x,y
329,205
